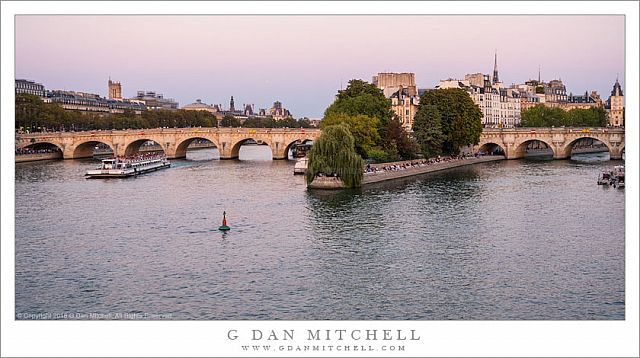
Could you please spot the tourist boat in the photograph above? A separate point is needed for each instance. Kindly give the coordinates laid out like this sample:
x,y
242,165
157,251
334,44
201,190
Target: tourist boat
x,y
301,150
122,168
604,178
301,166
617,176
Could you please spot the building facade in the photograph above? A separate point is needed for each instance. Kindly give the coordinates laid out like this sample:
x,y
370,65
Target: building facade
x,y
277,112
401,89
615,106
115,90
91,102
156,101
198,105
30,87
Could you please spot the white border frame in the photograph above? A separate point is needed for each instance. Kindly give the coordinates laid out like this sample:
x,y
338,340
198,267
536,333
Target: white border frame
x,y
202,338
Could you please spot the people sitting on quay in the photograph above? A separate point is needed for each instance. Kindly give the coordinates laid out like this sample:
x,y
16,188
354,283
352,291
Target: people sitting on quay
x,y
369,169
23,151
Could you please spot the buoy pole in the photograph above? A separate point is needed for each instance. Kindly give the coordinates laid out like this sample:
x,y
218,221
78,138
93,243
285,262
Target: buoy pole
x,y
224,226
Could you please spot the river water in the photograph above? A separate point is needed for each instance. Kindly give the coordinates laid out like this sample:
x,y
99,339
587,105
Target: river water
x,y
521,239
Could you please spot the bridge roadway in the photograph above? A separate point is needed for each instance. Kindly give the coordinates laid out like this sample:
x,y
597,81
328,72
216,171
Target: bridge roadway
x,y
174,141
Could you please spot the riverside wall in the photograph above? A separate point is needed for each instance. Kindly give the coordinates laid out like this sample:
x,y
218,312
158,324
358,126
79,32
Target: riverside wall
x,y
332,183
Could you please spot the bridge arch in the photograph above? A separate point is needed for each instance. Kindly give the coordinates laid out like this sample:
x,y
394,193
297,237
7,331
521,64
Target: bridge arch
x,y
490,147
134,147
522,146
235,148
567,149
86,148
42,145
181,147
301,140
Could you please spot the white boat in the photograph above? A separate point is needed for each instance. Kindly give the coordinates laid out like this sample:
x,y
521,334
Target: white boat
x,y
301,166
122,168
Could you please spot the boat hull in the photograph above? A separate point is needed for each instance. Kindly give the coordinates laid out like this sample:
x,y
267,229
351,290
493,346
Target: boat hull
x,y
118,173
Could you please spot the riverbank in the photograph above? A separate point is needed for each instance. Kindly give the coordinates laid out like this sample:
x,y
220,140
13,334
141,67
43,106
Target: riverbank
x,y
332,183
23,158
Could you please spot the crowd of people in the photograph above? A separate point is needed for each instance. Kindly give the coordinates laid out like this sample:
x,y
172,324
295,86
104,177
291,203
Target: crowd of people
x,y
369,169
140,156
23,151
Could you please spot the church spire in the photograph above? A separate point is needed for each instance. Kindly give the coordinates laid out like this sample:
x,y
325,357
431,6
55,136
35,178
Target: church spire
x,y
495,68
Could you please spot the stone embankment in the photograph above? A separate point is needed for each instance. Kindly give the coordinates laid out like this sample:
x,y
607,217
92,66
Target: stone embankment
x,y
371,177
22,158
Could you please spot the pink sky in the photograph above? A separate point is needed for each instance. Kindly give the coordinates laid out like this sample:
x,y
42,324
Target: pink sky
x,y
302,60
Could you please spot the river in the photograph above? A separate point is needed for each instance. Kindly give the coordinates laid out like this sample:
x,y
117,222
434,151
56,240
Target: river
x,y
521,239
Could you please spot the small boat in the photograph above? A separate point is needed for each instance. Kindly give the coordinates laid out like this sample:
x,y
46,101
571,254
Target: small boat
x,y
301,166
300,150
617,177
604,178
127,167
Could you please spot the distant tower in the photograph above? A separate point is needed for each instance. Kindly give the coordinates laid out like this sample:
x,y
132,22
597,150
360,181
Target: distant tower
x,y
538,74
115,90
495,69
232,108
616,103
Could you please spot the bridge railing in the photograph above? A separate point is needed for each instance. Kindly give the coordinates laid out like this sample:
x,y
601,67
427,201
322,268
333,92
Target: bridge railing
x,y
168,130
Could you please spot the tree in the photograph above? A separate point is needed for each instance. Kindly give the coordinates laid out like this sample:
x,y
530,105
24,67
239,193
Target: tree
x,y
361,97
461,123
363,129
333,153
427,128
28,110
397,141
543,116
229,121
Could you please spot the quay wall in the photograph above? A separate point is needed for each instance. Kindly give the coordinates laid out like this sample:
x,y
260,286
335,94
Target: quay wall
x,y
332,183
22,158
390,175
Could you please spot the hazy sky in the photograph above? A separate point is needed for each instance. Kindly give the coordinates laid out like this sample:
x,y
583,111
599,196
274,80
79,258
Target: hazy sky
x,y
303,60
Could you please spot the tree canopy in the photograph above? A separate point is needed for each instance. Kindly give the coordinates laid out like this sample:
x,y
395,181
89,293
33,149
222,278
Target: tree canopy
x,y
333,153
427,128
460,118
362,128
398,142
361,97
33,114
543,116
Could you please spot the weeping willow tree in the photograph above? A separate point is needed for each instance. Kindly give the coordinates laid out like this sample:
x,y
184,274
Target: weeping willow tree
x,y
334,153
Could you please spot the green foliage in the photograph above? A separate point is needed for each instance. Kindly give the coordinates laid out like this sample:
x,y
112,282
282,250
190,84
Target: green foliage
x,y
361,97
397,142
543,116
229,121
379,155
362,128
32,113
268,122
427,128
334,153
460,118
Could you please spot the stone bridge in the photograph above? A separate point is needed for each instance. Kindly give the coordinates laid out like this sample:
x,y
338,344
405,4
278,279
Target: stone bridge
x,y
513,141
173,141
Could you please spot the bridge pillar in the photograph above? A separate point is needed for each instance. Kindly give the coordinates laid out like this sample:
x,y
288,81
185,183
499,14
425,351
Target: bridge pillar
x,y
615,153
226,151
279,151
